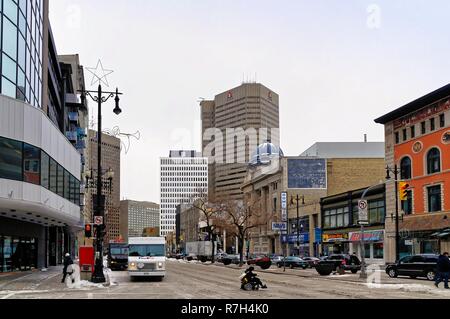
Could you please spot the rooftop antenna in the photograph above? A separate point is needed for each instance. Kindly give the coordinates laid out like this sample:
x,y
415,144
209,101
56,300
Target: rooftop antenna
x,y
365,138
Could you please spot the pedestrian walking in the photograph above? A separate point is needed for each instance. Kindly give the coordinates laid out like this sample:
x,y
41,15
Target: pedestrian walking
x,y
67,262
443,270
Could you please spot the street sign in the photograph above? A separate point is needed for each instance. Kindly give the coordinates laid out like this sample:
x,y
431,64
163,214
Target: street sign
x,y
98,220
279,226
284,200
409,243
363,212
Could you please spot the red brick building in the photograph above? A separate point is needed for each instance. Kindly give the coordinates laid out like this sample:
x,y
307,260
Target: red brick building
x,y
418,142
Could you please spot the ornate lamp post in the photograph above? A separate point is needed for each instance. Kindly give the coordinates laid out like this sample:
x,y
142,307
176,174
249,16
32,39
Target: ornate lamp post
x,y
100,97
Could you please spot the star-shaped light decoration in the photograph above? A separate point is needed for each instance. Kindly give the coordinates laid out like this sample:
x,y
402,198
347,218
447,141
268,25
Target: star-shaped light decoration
x,y
99,74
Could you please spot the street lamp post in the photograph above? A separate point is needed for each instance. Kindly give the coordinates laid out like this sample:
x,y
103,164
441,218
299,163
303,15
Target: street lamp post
x,y
98,275
298,219
396,172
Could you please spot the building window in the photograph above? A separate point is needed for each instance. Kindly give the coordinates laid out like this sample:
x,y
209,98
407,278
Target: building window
x,y
432,124
45,170
60,181
405,135
335,218
377,212
378,251
53,176
405,168
413,131
397,138
434,161
434,199
10,159
424,127
442,120
407,204
31,164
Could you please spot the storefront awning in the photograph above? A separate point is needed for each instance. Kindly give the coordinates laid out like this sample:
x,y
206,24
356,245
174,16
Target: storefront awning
x,y
441,234
375,235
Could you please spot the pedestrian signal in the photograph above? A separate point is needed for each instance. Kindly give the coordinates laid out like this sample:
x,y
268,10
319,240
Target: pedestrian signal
x,y
403,190
88,231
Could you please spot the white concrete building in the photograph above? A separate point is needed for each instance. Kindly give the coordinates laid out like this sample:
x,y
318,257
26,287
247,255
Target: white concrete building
x,y
183,176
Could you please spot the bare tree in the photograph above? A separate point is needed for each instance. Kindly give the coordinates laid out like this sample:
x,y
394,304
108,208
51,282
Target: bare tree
x,y
244,218
209,214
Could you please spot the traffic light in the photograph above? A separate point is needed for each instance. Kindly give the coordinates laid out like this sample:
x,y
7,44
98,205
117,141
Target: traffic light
x,y
403,191
88,231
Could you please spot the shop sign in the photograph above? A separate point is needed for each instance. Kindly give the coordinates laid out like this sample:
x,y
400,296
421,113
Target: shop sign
x,y
318,235
292,239
335,237
409,243
422,114
279,226
377,235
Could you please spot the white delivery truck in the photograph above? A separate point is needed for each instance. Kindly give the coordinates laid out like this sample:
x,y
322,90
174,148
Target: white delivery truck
x,y
147,257
200,250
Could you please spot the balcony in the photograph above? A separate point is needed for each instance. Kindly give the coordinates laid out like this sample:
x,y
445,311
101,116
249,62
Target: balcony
x,y
73,116
72,136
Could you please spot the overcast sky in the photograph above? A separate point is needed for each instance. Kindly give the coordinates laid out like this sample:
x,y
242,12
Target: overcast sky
x,y
336,65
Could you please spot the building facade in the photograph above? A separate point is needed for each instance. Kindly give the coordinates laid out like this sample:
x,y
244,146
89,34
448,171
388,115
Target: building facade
x,y
137,217
341,233
252,108
330,170
418,142
183,177
39,168
110,161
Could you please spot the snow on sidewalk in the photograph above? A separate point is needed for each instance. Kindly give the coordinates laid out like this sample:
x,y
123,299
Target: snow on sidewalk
x,y
410,288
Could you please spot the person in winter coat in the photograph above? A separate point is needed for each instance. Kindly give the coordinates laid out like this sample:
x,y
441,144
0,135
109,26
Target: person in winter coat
x,y
67,262
443,270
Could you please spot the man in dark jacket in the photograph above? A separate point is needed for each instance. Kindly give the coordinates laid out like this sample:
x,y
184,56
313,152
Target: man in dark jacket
x,y
443,270
67,261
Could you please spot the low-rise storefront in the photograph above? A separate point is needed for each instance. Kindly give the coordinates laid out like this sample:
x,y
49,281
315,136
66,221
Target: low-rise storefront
x,y
373,242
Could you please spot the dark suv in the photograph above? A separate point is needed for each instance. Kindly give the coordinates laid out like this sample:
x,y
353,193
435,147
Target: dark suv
x,y
423,265
339,261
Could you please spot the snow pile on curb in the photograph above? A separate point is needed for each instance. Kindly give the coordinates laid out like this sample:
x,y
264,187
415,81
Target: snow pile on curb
x,y
409,288
85,284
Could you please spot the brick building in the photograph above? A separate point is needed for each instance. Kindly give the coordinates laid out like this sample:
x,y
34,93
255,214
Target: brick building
x,y
323,170
418,142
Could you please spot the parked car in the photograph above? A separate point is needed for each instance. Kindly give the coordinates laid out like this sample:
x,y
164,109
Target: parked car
x,y
312,261
292,262
232,259
262,261
219,257
423,265
276,258
339,261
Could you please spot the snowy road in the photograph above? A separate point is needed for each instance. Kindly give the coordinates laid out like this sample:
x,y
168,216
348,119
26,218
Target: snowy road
x,y
196,281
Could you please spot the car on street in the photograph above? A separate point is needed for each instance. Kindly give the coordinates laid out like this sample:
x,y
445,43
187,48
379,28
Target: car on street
x,y
312,261
276,258
262,261
292,262
423,265
344,262
233,259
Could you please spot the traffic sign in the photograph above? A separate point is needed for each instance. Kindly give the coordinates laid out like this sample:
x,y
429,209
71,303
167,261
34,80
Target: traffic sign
x,y
279,226
363,206
98,220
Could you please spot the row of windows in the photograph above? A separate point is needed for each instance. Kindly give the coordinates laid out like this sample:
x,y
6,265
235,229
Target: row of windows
x,y
423,129
183,168
341,217
25,163
21,57
163,174
434,197
196,161
433,159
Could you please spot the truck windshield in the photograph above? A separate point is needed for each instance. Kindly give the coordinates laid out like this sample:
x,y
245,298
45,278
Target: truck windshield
x,y
147,251
119,251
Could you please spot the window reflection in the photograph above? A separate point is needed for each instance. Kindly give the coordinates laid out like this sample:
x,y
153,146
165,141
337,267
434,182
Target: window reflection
x,y
31,164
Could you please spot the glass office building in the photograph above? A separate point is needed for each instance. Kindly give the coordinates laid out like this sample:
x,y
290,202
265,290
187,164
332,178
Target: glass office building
x,y
22,29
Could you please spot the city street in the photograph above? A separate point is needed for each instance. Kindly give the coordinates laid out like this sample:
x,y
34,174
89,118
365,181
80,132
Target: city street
x,y
191,280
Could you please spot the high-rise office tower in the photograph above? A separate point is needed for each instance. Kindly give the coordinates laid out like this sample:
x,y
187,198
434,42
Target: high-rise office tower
x,y
184,176
136,216
251,107
110,160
